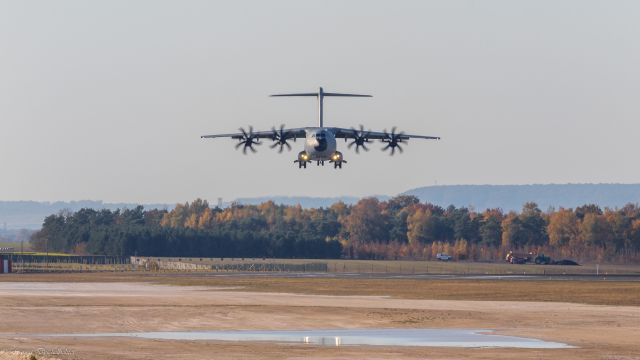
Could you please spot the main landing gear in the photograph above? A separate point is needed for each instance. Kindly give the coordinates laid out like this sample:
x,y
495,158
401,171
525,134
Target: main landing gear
x,y
304,159
337,160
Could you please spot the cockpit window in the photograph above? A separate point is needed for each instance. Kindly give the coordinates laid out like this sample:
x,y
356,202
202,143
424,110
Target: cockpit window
x,y
321,138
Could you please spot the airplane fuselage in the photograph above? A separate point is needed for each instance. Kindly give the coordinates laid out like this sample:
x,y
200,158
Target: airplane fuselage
x,y
320,143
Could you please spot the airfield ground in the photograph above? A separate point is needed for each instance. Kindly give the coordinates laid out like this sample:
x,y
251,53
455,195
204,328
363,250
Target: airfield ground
x,y
600,317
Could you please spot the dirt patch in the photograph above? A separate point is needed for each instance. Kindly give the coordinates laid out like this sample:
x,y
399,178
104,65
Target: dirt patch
x,y
599,331
597,292
38,354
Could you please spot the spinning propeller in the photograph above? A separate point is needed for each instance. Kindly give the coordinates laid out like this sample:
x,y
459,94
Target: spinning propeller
x,y
248,140
359,139
393,140
280,138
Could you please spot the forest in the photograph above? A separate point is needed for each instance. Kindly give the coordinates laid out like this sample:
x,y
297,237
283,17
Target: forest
x,y
399,228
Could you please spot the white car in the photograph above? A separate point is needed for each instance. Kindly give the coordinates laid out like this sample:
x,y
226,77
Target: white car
x,y
443,257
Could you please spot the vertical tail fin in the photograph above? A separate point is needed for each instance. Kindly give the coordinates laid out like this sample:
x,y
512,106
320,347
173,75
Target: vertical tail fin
x,y
320,95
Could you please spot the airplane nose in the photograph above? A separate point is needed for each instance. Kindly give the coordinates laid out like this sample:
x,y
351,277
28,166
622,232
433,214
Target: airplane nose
x,y
321,144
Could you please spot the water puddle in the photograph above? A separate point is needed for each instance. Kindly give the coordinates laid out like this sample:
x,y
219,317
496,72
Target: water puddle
x,y
468,338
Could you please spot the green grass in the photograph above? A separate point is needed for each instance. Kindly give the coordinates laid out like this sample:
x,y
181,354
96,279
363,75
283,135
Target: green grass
x,y
15,245
39,253
425,267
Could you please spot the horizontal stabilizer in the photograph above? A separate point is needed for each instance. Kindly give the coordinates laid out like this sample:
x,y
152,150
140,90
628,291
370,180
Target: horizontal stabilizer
x,y
299,94
320,96
351,95
321,93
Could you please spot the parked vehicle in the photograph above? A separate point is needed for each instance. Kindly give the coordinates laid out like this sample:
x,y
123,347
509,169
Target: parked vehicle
x,y
533,258
443,257
542,260
517,258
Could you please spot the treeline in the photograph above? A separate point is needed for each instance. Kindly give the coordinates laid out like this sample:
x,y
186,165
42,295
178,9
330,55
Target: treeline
x,y
401,227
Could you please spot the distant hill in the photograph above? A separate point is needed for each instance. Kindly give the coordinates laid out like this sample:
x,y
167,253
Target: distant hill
x,y
304,201
481,197
512,197
30,214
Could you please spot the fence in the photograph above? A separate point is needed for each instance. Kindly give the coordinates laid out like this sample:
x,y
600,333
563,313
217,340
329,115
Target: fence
x,y
43,263
311,267
208,265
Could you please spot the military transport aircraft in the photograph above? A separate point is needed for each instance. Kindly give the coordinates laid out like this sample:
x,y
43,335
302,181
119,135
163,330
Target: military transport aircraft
x,y
320,142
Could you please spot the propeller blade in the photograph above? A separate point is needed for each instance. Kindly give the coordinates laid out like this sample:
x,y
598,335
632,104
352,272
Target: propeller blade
x,y
280,138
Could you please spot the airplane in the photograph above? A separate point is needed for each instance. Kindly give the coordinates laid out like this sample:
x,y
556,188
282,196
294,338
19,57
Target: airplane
x,y
320,142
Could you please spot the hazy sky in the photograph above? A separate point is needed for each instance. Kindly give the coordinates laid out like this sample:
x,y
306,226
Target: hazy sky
x,y
108,99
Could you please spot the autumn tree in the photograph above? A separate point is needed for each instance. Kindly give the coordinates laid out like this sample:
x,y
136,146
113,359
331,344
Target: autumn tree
x,y
400,227
366,223
595,230
398,210
563,228
513,233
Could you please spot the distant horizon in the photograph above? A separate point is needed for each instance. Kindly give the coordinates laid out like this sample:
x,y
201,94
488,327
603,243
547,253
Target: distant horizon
x,y
227,200
30,213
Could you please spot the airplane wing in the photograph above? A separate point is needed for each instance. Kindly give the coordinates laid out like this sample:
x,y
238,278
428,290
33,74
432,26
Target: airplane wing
x,y
246,139
273,134
352,133
392,139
